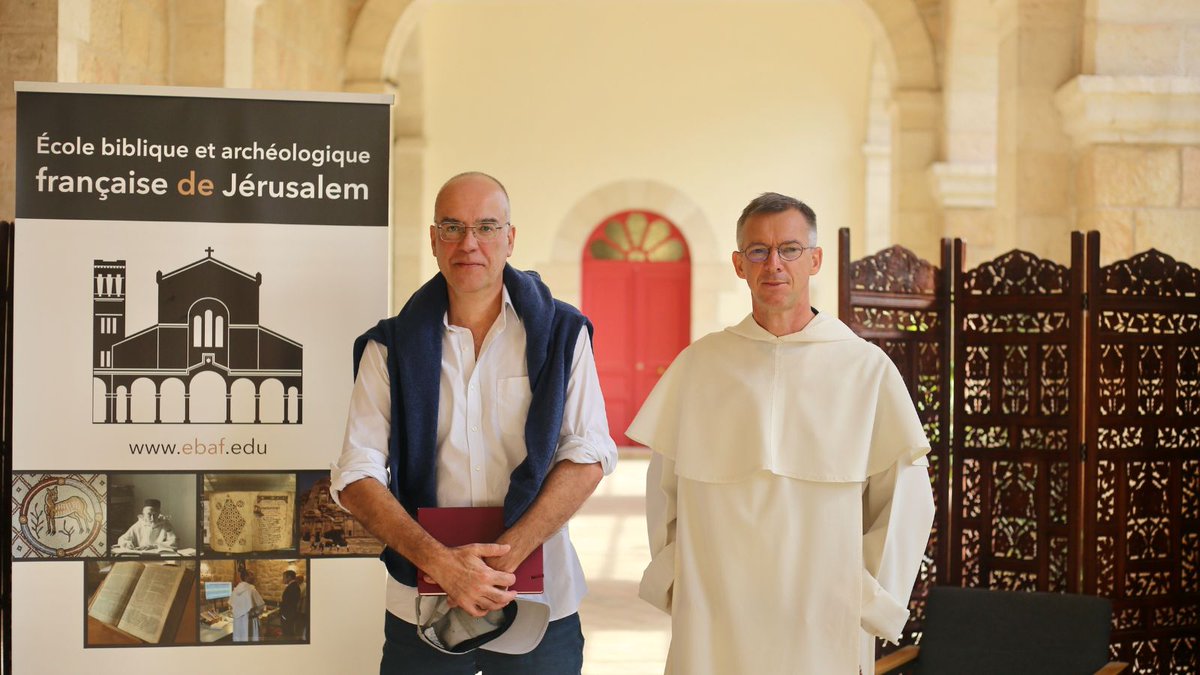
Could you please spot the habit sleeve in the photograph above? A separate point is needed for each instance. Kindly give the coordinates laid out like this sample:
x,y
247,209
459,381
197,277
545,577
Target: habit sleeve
x,y
897,516
659,577
897,513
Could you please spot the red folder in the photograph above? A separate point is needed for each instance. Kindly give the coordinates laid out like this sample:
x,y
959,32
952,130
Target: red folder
x,y
459,526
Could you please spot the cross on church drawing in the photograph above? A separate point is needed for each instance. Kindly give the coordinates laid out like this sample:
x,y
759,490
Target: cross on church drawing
x,y
207,360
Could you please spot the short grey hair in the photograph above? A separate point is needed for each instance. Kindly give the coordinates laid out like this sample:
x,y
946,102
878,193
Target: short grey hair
x,y
773,202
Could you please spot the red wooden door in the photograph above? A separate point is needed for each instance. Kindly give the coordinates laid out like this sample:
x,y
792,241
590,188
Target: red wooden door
x,y
637,292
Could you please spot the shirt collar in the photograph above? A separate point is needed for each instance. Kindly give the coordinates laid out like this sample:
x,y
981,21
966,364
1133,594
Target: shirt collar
x,y
506,310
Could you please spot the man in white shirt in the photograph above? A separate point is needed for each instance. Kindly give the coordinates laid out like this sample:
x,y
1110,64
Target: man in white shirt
x,y
788,499
482,392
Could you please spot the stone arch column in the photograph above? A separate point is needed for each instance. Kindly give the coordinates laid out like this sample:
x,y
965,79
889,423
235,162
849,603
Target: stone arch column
x,y
877,152
1038,51
907,55
383,55
1133,116
964,181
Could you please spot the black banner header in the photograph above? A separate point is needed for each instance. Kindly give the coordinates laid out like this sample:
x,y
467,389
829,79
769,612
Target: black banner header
x,y
135,157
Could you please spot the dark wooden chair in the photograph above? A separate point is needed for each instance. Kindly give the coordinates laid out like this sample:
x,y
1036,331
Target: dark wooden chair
x,y
985,632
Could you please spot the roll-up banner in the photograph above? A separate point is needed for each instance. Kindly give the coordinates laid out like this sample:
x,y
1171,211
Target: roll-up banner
x,y
191,267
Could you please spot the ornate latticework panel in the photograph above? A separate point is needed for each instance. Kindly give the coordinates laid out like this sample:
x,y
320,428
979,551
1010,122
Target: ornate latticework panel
x,y
1016,427
1142,499
901,303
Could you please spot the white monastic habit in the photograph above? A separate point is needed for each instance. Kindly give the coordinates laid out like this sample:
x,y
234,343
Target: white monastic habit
x,y
244,602
788,501
143,535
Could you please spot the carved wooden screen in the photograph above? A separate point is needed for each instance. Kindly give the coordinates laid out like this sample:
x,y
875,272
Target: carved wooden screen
x,y
902,304
1142,486
1016,439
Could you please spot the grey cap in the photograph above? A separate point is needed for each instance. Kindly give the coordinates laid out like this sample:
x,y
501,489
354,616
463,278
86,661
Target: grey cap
x,y
515,629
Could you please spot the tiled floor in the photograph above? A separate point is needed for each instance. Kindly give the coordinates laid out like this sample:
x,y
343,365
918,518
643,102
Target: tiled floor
x,y
623,634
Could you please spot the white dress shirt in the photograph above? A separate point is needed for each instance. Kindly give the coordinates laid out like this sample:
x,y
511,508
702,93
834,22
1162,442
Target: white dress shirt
x,y
481,436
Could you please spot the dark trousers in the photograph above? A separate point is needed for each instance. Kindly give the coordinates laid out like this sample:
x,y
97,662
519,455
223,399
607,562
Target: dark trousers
x,y
559,653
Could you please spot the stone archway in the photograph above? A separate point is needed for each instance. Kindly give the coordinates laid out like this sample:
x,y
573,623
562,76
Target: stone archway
x,y
207,398
383,56
577,225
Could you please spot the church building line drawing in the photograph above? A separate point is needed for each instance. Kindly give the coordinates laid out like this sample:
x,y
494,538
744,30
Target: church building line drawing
x,y
207,360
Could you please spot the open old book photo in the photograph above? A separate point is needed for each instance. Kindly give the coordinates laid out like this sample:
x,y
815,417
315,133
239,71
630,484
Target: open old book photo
x,y
140,603
249,513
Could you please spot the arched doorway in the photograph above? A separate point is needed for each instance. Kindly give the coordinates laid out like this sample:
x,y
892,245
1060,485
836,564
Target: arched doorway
x,y
206,397
637,285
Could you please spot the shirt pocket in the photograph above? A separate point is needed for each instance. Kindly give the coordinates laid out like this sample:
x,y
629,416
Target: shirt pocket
x,y
512,404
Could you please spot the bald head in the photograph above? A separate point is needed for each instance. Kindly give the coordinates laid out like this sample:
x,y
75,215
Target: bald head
x,y
470,183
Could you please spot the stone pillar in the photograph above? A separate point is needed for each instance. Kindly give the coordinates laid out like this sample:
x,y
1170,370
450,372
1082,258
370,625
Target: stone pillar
x,y
916,124
966,194
410,221
964,185
29,35
1038,52
105,42
410,218
198,43
1134,118
877,154
239,42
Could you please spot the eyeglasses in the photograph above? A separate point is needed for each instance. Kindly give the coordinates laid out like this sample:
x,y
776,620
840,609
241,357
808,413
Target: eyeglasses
x,y
453,231
788,251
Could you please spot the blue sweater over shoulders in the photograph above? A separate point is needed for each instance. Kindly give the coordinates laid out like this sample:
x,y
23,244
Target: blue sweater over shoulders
x,y
414,342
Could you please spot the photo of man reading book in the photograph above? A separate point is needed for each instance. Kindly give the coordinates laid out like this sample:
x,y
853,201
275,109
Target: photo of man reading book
x,y
152,531
140,603
152,515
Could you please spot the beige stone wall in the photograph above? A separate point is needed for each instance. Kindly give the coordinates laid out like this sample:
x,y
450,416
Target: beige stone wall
x,y
28,52
1140,197
268,576
704,101
1075,165
114,41
300,44
216,570
197,46
970,82
1142,37
1038,53
1134,114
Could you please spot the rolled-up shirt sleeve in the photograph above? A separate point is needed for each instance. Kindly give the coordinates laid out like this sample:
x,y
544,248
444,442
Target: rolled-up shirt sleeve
x,y
584,438
368,424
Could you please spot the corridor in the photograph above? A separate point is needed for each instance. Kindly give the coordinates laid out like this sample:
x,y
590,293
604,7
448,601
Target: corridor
x,y
623,634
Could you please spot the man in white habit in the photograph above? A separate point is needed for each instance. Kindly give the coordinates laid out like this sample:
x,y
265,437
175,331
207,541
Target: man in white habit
x,y
151,531
246,603
788,497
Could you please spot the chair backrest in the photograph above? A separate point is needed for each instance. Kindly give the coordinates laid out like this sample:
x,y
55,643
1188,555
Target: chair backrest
x,y
985,632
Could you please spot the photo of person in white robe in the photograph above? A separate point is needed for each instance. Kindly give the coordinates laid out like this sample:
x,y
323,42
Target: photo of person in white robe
x,y
246,604
788,496
151,532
